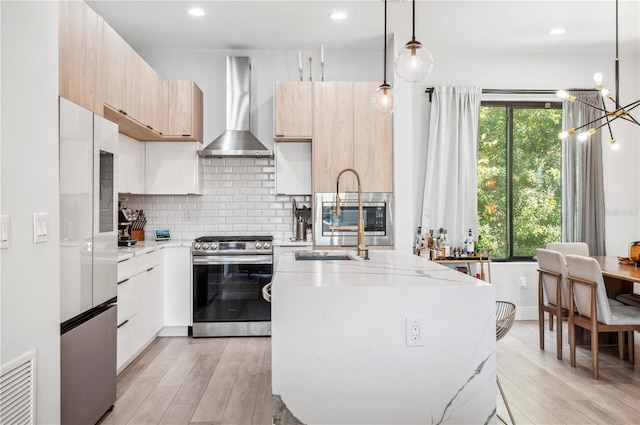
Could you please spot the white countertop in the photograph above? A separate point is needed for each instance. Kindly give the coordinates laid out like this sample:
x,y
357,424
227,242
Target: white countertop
x,y
385,268
144,247
292,243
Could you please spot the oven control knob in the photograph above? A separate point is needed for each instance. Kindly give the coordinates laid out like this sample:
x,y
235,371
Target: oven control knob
x,y
214,246
205,246
197,245
258,245
266,245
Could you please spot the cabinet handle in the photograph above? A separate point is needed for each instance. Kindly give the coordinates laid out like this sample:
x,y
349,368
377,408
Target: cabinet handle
x,y
149,127
186,135
122,112
150,269
123,323
123,281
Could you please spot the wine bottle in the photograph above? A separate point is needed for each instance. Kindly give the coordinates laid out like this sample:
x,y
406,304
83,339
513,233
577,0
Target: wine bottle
x,y
446,245
479,246
469,244
430,240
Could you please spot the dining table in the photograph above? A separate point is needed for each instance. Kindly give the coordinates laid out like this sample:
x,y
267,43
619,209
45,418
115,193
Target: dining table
x,y
619,275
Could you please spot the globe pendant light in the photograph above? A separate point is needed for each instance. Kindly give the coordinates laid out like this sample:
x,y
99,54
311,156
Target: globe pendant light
x,y
414,63
383,98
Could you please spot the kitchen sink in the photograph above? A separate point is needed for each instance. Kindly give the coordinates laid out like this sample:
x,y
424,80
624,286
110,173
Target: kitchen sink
x,y
322,255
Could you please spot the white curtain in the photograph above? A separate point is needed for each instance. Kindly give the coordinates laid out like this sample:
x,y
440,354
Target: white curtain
x,y
582,181
450,189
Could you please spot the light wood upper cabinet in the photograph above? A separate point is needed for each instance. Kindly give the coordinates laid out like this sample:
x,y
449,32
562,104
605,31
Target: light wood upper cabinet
x,y
372,141
78,54
112,67
348,133
333,136
159,97
101,72
293,111
184,112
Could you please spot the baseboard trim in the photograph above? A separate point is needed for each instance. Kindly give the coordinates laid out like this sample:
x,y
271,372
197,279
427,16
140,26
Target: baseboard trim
x,y
174,331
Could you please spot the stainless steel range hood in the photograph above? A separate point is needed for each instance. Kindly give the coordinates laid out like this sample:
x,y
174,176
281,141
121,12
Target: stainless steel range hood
x,y
237,141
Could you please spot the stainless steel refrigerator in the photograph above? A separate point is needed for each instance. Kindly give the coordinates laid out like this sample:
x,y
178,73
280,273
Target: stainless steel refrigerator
x,y
88,252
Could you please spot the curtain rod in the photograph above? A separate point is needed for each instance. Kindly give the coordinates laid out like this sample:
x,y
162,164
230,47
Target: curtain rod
x,y
429,91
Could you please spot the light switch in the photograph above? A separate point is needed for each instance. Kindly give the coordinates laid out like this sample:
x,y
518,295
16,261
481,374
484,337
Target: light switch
x,y
40,227
5,231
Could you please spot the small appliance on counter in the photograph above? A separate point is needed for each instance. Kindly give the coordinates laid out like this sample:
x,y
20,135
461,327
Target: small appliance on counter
x,y
301,217
128,221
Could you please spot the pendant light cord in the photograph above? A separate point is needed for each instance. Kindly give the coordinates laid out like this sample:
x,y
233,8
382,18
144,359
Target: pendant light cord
x,y
384,40
617,70
413,34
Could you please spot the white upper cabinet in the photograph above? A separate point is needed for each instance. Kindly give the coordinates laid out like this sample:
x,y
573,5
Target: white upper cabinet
x,y
173,168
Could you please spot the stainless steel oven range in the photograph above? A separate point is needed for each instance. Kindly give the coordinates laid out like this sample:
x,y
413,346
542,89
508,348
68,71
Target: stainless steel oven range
x,y
228,276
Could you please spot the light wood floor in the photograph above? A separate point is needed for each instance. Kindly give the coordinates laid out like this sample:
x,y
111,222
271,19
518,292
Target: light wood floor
x,y
217,381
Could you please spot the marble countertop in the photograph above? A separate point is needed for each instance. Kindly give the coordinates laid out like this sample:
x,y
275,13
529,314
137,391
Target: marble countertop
x,y
144,247
393,268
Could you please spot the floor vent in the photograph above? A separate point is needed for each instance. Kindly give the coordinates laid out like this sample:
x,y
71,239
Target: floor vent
x,y
17,390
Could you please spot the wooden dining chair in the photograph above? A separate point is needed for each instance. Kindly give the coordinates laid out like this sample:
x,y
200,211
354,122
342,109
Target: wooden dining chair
x,y
592,311
552,285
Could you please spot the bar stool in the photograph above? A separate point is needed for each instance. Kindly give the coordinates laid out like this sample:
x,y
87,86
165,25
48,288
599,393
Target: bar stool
x,y
505,314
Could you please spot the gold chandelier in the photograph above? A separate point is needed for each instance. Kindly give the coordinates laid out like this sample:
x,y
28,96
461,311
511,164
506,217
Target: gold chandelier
x,y
611,109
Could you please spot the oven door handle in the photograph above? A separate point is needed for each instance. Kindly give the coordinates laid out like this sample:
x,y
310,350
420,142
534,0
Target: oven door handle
x,y
234,259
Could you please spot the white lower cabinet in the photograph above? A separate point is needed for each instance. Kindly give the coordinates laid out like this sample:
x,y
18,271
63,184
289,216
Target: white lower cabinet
x,y
140,304
177,291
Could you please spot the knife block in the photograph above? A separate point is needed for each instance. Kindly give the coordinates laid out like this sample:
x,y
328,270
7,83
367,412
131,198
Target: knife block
x,y
137,235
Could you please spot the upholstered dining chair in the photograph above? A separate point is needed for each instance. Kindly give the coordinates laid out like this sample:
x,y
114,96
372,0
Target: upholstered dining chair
x,y
552,285
592,311
576,248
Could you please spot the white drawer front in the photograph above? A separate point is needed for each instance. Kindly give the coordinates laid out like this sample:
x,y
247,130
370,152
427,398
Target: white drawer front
x,y
138,264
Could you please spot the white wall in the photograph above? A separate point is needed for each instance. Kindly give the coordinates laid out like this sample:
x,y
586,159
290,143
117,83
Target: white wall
x,y
30,293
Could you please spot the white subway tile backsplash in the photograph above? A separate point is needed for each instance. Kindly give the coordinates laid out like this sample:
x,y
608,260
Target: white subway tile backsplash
x,y
239,199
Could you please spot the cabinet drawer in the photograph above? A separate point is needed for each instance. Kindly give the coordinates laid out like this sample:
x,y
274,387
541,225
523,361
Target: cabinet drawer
x,y
127,335
138,264
127,296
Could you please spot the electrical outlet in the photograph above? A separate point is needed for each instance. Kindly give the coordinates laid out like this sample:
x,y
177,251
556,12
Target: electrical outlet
x,y
415,328
523,282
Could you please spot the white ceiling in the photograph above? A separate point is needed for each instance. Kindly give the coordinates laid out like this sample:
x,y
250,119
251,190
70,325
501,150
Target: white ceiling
x,y
472,25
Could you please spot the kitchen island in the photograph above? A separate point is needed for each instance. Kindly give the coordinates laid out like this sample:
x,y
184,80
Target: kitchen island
x,y
345,350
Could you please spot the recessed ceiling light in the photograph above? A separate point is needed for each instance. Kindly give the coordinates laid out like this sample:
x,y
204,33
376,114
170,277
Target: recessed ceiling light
x,y
196,12
557,31
338,16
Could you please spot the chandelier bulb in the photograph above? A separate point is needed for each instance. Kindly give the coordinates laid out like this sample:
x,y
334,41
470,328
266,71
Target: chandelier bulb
x,y
605,92
564,134
563,94
597,78
615,146
586,134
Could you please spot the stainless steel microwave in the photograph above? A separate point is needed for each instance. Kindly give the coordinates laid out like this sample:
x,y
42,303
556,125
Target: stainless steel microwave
x,y
377,211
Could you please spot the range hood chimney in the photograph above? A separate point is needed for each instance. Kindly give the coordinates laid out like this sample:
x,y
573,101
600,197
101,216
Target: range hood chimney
x,y
237,141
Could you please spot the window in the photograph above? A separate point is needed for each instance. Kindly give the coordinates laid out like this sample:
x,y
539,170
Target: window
x,y
519,177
